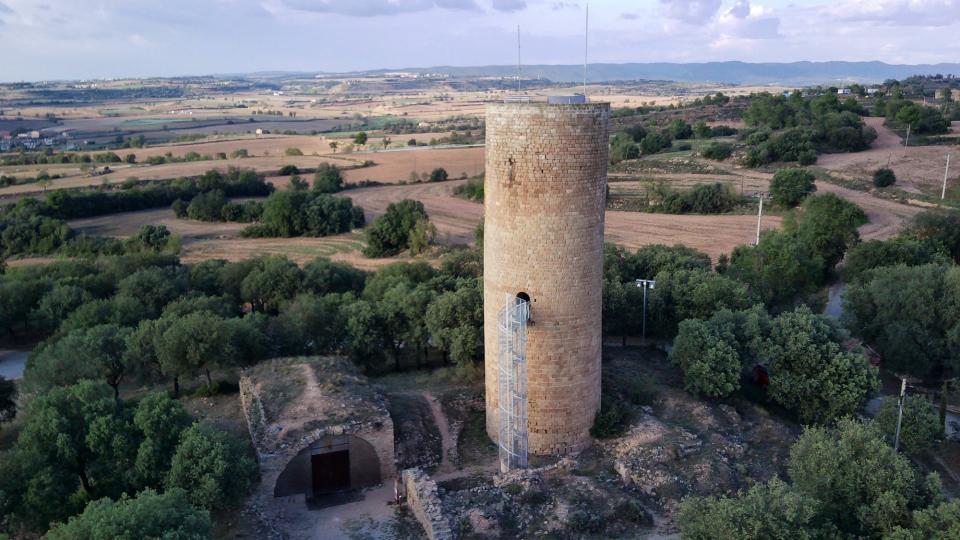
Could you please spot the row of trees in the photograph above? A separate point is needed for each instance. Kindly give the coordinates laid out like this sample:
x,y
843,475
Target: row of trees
x,y
795,128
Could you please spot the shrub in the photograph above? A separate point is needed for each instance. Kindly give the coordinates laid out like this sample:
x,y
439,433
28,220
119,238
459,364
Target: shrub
x,y
718,151
438,175
884,177
654,142
622,147
471,190
612,420
288,170
292,152
789,186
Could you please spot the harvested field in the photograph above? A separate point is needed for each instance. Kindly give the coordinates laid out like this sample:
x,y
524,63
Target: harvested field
x,y
919,169
456,219
396,165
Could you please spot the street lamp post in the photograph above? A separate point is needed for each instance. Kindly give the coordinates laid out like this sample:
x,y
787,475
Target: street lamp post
x,y
903,393
645,284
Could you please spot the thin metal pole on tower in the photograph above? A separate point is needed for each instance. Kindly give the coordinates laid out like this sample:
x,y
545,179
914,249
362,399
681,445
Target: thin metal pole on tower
x,y
518,58
586,48
946,173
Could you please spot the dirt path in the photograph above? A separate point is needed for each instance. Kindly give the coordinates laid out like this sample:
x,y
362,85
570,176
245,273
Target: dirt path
x,y
447,443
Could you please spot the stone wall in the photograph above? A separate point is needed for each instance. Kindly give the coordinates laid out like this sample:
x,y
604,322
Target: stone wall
x,y
424,501
545,194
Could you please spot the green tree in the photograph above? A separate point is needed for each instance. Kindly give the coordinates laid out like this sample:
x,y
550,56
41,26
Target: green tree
x,y
827,227
273,280
679,129
895,251
212,468
654,142
920,427
790,186
911,315
75,446
693,294
765,511
711,367
938,228
864,488
324,276
148,516
622,147
455,322
98,352
778,269
438,175
327,179
810,372
389,234
56,304
161,420
701,130
312,324
360,138
941,522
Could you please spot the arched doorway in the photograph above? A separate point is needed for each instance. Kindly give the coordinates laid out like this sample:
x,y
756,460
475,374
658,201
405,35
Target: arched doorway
x,y
332,464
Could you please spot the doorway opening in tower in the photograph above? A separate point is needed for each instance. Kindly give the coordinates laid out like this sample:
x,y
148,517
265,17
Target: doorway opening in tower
x,y
512,378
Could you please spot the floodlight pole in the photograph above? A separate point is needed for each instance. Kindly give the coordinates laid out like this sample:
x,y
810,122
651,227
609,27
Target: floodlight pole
x,y
946,173
645,284
903,393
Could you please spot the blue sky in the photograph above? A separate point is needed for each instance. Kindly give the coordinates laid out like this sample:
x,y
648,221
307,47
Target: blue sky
x,y
49,39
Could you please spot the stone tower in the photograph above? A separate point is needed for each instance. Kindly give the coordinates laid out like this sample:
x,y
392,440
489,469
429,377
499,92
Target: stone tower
x,y
545,194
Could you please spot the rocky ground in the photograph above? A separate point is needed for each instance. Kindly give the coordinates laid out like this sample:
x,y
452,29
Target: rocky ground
x,y
676,445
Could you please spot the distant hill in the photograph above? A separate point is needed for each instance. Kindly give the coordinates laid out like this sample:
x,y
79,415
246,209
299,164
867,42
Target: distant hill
x,y
794,73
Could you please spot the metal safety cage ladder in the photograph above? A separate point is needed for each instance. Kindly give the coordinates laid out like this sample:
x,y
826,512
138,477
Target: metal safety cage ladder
x,y
512,383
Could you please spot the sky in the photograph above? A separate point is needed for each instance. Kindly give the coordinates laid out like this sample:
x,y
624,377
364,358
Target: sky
x,y
85,39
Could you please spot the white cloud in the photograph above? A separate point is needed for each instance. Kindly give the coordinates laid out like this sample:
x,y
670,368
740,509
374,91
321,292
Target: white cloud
x,y
373,8
691,11
509,5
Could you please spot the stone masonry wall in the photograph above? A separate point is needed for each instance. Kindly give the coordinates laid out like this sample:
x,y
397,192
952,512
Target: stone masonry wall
x,y
424,502
545,194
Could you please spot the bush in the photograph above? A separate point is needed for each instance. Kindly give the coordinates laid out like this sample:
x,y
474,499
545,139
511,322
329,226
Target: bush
x,y
438,175
612,420
302,213
920,427
471,190
884,177
713,198
289,170
292,152
718,151
654,142
789,186
327,179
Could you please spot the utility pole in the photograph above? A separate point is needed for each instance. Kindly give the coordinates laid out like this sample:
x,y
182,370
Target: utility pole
x,y
760,195
903,392
645,284
586,48
946,173
906,143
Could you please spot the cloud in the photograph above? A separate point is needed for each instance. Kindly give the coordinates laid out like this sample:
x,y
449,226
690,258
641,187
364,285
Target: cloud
x,y
557,6
509,5
5,8
740,10
629,16
691,11
373,8
899,12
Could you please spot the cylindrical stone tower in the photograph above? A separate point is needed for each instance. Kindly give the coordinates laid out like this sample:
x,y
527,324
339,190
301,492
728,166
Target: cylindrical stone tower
x,y
545,194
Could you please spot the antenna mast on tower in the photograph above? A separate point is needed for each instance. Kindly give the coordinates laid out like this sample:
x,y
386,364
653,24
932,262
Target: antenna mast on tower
x,y
518,58
586,48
